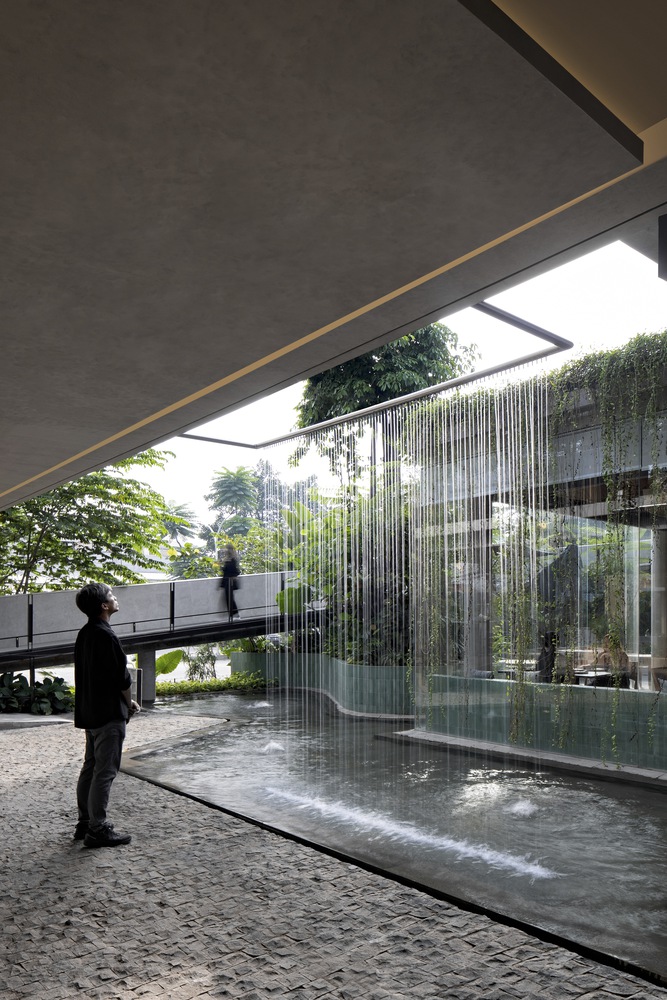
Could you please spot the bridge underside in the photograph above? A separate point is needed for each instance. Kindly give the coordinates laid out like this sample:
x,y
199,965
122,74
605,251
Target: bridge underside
x,y
59,653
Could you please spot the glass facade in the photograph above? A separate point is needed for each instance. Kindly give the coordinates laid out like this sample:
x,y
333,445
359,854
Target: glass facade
x,y
509,558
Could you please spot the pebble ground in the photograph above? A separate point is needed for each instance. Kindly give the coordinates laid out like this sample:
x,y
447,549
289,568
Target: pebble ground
x,y
201,904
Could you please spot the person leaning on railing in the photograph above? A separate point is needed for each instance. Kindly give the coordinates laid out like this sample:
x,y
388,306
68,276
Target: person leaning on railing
x,y
231,571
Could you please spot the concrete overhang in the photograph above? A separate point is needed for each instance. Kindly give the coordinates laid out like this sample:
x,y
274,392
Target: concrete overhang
x,y
207,201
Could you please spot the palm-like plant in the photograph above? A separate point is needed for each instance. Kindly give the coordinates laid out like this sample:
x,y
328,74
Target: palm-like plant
x,y
180,523
234,498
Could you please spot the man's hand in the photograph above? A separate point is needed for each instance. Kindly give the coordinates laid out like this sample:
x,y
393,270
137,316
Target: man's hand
x,y
134,708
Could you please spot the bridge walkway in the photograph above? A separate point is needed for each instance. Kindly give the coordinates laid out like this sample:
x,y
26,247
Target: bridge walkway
x,y
39,630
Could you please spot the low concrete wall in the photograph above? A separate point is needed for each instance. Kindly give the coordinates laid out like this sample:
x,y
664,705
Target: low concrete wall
x,y
605,725
615,726
356,689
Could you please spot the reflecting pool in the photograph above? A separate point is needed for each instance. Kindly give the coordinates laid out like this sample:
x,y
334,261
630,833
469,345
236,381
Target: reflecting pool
x,y
583,859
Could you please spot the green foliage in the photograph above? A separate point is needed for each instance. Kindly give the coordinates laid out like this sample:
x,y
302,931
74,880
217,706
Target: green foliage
x,y
102,525
53,695
623,383
333,554
201,662
426,357
15,693
258,550
622,386
236,682
294,598
249,644
180,523
297,520
247,505
275,495
47,697
188,562
167,663
420,359
234,496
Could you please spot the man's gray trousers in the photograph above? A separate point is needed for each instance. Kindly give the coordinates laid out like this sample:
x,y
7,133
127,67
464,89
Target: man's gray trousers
x,y
101,764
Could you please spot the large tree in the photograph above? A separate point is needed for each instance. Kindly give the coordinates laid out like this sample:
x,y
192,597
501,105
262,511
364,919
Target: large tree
x,y
105,525
416,361
243,498
426,357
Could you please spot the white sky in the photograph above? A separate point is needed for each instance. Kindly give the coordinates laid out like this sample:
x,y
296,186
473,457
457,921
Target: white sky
x,y
599,301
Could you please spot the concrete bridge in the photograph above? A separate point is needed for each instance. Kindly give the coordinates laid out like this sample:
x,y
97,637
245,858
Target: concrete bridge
x,y
40,629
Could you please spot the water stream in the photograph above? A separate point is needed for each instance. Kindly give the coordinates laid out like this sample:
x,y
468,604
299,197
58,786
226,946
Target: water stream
x,y
586,860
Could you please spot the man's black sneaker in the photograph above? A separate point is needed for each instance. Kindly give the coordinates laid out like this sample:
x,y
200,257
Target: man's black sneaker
x,y
81,829
106,836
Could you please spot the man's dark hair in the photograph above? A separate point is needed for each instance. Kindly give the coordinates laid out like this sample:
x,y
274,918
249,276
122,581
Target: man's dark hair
x,y
91,598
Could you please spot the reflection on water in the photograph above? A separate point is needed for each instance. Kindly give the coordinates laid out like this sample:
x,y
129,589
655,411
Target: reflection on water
x,y
583,859
410,836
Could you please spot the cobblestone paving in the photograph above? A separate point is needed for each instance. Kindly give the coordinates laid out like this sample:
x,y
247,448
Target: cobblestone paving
x,y
205,905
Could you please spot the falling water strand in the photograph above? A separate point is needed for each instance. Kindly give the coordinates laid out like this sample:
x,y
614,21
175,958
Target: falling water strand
x,y
417,529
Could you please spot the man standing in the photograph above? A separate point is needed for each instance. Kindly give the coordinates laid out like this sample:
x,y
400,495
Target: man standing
x,y
102,706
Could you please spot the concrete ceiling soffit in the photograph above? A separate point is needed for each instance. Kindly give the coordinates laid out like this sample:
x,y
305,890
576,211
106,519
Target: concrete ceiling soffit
x,y
511,30
615,49
202,202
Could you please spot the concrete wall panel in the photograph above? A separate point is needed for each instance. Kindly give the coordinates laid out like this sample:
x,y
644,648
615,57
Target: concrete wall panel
x,y
13,621
143,608
56,618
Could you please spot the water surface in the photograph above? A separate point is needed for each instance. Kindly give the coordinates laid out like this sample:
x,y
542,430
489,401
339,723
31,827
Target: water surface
x,y
583,859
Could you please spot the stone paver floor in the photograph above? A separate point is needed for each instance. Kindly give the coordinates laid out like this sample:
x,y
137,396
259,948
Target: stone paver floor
x,y
205,905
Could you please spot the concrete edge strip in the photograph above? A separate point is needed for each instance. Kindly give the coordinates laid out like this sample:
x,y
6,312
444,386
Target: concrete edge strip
x,y
580,767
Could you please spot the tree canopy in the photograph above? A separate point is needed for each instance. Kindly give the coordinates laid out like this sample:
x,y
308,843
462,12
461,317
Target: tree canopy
x,y
247,507
103,526
189,562
234,496
419,359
